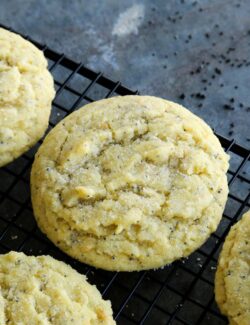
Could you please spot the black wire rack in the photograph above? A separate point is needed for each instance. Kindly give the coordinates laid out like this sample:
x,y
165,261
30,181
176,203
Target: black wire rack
x,y
180,293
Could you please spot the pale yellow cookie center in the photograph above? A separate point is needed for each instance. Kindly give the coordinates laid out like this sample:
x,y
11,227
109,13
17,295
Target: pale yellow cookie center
x,y
120,176
9,83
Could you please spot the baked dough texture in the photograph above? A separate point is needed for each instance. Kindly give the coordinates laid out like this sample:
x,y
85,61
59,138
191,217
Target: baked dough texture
x,y
129,183
26,92
42,291
232,280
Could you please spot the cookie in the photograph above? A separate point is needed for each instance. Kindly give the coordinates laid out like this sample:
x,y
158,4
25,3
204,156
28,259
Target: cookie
x,y
232,280
26,92
129,183
42,290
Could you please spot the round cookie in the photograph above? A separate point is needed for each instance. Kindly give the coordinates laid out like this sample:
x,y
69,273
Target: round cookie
x,y
232,280
26,92
42,290
129,183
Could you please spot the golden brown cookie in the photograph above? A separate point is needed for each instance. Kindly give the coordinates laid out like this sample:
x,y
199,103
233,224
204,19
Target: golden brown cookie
x,y
232,281
129,183
42,290
26,92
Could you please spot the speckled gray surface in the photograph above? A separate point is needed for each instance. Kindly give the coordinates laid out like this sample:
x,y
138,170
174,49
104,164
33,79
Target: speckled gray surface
x,y
199,50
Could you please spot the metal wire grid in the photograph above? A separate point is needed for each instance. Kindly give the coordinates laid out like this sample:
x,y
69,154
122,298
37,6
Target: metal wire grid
x,y
181,293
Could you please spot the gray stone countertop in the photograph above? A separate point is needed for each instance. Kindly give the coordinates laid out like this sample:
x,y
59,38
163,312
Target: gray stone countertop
x,y
193,52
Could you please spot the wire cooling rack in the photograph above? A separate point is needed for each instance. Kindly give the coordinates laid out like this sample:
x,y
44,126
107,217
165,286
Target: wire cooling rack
x,y
180,293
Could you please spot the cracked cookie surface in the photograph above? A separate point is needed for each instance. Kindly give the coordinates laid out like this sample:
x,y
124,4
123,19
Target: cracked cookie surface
x,y
129,183
26,92
41,290
232,281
